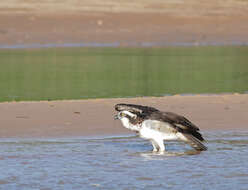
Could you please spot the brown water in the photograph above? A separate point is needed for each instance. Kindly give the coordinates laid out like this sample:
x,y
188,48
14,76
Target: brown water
x,y
124,163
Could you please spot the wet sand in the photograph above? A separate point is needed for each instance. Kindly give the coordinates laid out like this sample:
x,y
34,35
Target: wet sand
x,y
126,22
95,117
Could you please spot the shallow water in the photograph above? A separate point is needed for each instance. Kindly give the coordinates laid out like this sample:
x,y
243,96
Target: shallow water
x,y
124,163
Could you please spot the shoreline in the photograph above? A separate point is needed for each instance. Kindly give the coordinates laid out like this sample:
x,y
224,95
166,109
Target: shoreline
x,y
118,45
135,97
94,117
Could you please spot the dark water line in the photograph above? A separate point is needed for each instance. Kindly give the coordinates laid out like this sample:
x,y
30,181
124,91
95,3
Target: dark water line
x,y
54,45
69,139
119,44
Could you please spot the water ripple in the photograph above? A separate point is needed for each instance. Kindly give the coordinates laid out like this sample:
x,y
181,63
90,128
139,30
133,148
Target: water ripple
x,y
124,163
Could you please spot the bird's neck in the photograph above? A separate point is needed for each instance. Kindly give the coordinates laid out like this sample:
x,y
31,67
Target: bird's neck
x,y
127,124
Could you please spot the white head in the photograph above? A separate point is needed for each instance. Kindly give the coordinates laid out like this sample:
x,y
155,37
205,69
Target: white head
x,y
129,120
126,114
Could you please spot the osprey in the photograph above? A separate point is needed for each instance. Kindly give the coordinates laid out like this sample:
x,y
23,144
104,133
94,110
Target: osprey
x,y
157,126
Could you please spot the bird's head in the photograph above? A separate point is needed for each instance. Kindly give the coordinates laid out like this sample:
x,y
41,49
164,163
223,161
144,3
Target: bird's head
x,y
125,115
129,120
132,115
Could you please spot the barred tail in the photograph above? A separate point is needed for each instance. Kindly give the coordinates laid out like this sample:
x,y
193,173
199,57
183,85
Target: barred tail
x,y
194,142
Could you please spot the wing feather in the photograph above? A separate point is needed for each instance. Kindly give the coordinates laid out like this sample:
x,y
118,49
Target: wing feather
x,y
135,108
178,122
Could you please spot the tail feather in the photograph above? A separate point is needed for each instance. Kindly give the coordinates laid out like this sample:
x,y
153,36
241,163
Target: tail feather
x,y
194,142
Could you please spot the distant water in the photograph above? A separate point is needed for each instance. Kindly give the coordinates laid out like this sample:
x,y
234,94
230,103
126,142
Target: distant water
x,y
119,44
123,163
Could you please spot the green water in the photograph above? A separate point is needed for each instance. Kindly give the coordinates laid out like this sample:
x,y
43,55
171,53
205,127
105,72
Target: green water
x,y
79,73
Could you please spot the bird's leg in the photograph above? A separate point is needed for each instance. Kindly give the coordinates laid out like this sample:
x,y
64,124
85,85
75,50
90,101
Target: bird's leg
x,y
154,145
161,146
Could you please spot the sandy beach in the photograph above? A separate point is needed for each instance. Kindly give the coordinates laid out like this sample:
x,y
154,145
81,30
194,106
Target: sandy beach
x,y
193,21
95,117
126,22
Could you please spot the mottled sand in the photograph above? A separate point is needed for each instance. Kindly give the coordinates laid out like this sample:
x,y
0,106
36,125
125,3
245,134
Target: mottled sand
x,y
95,117
127,22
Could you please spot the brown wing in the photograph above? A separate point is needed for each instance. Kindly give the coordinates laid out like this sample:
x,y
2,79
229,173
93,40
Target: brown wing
x,y
180,123
181,120
135,108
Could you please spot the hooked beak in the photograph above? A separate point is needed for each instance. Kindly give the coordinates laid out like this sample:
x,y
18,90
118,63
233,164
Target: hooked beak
x,y
116,117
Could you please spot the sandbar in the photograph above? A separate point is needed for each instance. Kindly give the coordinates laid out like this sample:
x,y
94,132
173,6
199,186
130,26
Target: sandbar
x,y
77,118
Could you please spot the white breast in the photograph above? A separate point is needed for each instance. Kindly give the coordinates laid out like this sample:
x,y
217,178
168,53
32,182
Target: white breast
x,y
129,125
153,129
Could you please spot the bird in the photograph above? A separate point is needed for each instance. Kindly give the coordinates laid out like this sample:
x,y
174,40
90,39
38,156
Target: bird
x,y
159,126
